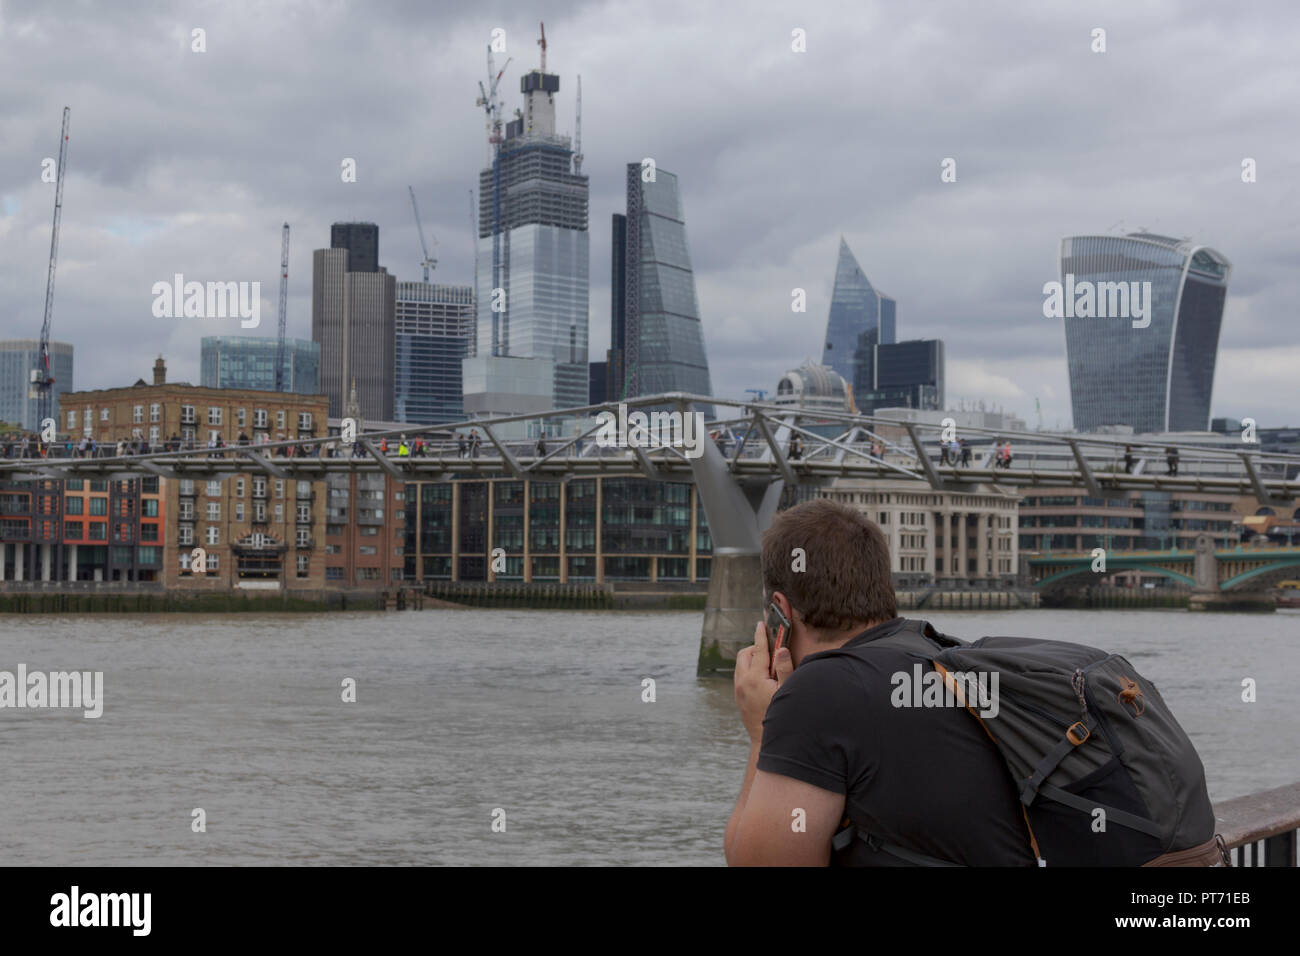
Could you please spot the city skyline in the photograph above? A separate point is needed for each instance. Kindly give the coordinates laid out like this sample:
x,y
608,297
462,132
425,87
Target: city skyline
x,y
175,167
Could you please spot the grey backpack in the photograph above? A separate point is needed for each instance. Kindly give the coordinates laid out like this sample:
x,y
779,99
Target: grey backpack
x,y
1105,775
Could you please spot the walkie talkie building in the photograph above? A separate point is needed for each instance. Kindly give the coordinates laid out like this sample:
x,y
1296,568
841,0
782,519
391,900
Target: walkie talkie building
x,y
1157,376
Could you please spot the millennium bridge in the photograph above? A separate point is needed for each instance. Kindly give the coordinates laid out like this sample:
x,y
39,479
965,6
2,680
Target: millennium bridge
x,y
741,458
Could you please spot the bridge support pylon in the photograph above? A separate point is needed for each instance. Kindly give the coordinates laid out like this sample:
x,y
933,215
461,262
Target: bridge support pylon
x,y
1207,595
737,514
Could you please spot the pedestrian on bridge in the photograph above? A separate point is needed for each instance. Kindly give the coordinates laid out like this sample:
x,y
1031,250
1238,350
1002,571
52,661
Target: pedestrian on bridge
x,y
460,445
1128,459
1171,459
965,453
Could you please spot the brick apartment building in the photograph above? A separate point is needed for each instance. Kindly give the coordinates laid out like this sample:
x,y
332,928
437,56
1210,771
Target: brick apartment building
x,y
257,531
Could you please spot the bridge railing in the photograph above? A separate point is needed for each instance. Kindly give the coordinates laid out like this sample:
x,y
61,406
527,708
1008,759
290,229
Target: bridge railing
x,y
1261,828
913,455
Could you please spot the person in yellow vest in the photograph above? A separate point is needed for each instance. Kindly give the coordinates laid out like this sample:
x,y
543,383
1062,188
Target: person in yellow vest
x,y
403,449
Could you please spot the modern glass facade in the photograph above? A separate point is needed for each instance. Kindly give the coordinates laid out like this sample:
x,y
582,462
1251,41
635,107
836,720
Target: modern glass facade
x,y
546,286
361,240
534,247
658,323
856,307
1160,377
18,357
435,324
246,361
906,375
586,529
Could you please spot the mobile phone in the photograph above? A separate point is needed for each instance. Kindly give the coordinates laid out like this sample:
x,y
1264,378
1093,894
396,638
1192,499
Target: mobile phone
x,y
778,632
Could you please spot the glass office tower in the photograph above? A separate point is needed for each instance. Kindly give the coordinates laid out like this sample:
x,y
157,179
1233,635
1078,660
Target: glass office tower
x,y
656,326
434,326
18,357
856,306
534,248
1157,378
903,375
248,361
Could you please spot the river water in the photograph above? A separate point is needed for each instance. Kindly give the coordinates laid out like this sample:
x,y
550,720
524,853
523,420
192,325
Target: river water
x,y
461,713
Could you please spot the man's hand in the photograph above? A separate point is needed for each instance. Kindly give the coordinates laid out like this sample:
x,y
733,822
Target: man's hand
x,y
754,688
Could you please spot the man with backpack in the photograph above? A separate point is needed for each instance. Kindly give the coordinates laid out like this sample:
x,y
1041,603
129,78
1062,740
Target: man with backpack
x,y
877,741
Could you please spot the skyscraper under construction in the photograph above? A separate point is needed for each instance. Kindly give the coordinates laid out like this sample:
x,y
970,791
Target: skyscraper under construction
x,y
532,278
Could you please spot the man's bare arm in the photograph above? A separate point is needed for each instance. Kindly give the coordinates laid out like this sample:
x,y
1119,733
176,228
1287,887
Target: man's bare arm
x,y
784,822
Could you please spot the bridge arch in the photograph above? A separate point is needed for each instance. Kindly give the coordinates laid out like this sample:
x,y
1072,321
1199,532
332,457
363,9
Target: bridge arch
x,y
1086,571
1274,568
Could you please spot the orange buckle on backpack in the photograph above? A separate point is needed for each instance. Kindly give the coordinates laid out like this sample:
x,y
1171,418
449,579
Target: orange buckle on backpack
x,y
1131,694
1078,733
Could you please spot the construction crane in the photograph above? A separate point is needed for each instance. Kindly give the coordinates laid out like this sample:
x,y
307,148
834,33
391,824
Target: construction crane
x,y
758,393
577,132
284,307
490,100
42,381
427,263
542,43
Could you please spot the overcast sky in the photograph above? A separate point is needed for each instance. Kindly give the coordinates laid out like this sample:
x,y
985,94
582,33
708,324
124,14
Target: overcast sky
x,y
189,162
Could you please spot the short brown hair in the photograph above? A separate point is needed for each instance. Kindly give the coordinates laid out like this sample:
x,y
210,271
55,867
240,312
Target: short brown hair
x,y
847,577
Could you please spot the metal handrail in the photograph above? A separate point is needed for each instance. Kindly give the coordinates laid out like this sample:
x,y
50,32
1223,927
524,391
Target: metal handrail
x,y
1261,828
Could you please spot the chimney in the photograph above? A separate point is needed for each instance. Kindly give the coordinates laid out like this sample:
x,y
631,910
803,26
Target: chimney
x,y
159,371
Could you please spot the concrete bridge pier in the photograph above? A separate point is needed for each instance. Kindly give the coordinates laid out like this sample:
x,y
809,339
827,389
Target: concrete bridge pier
x,y
737,515
733,607
1207,595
